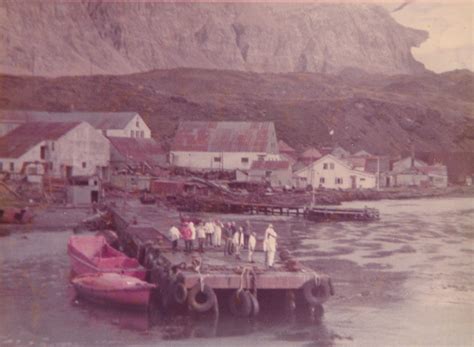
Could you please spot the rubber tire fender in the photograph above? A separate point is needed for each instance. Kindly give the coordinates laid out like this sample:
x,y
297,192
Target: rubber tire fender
x,y
255,305
180,292
314,294
206,305
240,303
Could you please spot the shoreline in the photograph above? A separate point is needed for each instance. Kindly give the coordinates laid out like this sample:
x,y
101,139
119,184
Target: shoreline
x,y
56,217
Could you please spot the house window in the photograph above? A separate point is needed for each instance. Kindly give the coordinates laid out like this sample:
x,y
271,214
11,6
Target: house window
x,y
43,152
322,180
132,133
12,167
50,166
338,180
325,166
244,160
142,134
1,166
362,179
261,157
84,164
268,173
33,170
331,166
52,146
137,124
217,159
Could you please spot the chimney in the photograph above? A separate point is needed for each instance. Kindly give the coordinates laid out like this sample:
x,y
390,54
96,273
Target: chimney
x,y
412,156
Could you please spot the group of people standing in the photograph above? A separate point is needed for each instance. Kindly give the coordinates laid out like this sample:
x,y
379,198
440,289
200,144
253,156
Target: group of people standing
x,y
236,238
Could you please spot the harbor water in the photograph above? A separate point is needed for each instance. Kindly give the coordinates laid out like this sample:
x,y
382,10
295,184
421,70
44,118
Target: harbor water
x,y
407,279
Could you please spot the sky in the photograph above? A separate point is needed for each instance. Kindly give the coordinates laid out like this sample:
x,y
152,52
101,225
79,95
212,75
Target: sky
x,y
451,30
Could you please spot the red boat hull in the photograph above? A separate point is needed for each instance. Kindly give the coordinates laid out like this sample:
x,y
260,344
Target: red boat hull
x,y
113,288
92,254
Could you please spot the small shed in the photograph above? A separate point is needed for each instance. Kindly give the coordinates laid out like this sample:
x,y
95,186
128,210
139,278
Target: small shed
x,y
277,172
83,190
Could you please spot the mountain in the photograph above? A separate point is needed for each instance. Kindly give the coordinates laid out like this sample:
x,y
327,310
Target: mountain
x,y
378,113
64,38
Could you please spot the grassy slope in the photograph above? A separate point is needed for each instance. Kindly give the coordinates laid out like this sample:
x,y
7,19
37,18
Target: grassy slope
x,y
377,113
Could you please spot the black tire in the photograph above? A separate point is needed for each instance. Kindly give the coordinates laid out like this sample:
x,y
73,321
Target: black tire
x,y
180,293
195,295
255,305
316,294
240,304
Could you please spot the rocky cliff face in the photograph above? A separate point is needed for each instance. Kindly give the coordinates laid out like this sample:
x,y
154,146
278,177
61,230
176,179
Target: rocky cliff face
x,y
93,37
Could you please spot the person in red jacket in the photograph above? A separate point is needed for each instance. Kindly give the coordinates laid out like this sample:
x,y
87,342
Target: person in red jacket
x,y
186,235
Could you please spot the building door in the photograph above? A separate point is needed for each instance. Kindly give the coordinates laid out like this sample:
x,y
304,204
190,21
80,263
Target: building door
x,y
353,182
94,196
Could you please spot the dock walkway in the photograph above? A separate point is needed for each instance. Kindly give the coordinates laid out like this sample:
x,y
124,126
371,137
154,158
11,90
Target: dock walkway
x,y
139,237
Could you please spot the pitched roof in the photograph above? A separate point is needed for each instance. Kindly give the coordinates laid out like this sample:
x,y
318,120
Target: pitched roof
x,y
224,137
99,120
337,160
362,153
26,136
311,153
137,149
283,147
270,165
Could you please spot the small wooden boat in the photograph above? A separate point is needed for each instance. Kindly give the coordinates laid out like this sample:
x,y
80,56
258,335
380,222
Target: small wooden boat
x,y
92,254
113,288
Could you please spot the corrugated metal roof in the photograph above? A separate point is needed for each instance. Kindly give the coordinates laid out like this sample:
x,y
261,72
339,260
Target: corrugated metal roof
x,y
26,136
270,165
225,137
137,149
284,147
311,153
99,120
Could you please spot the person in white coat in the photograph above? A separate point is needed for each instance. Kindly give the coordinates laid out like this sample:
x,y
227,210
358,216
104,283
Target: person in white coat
x,y
193,233
270,245
209,232
201,236
217,236
174,236
238,241
252,243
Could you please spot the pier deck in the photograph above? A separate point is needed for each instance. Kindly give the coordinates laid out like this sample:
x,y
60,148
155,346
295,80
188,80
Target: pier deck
x,y
217,270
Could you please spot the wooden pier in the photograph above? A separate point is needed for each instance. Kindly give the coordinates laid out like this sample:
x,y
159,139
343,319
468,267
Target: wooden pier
x,y
324,214
317,214
181,277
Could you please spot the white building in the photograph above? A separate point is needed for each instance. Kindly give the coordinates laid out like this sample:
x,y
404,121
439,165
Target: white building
x,y
118,124
223,145
333,173
62,149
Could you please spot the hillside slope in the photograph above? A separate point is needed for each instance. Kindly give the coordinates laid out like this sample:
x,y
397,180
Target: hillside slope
x,y
380,114
63,38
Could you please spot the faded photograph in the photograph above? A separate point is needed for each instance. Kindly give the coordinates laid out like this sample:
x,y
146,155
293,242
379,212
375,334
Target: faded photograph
x,y
236,173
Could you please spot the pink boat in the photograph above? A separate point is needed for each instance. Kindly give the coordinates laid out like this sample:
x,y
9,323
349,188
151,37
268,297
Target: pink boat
x,y
113,288
92,254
